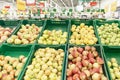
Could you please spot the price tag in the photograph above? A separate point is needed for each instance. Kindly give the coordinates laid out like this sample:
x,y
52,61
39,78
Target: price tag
x,y
30,2
42,4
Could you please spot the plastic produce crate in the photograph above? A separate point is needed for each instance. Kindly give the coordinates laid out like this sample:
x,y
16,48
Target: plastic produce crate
x,y
10,24
100,53
57,25
39,23
35,48
110,52
99,23
16,52
78,22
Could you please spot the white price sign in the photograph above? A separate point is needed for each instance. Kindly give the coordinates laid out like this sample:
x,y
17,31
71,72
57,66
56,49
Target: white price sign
x,y
30,2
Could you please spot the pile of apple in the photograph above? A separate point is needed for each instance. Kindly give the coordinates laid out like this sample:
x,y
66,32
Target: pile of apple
x,y
10,67
53,37
46,65
109,34
5,33
114,69
83,35
84,64
26,35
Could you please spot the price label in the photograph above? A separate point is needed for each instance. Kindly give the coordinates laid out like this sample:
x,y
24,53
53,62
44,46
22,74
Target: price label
x,y
30,2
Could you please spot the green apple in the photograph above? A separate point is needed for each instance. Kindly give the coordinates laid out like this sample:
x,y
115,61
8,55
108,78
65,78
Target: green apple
x,y
17,41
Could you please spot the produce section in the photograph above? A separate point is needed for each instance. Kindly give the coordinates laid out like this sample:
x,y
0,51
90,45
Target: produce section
x,y
59,39
64,49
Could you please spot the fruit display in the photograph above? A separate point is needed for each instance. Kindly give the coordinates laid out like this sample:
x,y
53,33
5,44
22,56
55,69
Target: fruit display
x,y
5,33
109,34
46,65
10,67
26,35
85,64
53,37
83,35
114,69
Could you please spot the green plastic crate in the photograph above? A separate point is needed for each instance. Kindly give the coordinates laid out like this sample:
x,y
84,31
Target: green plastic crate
x,y
99,23
11,24
16,52
100,52
39,23
78,22
111,52
57,25
36,47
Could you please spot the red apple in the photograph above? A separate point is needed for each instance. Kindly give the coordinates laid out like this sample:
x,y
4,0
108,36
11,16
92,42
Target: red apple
x,y
92,60
90,65
87,48
80,50
70,50
85,63
96,65
76,77
79,65
95,53
96,76
75,70
75,54
84,58
69,72
100,60
90,55
95,70
83,76
87,72
84,53
93,48
78,59
69,78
